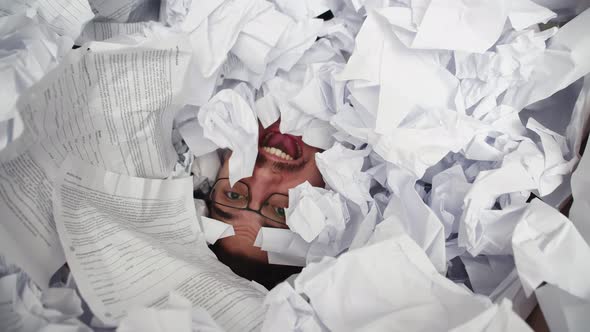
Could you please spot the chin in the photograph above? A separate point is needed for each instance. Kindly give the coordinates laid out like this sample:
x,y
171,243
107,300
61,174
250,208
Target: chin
x,y
242,248
250,262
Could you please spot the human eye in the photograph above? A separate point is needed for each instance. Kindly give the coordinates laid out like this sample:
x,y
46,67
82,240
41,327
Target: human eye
x,y
279,211
234,196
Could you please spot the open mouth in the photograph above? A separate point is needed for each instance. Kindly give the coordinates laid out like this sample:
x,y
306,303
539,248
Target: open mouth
x,y
281,146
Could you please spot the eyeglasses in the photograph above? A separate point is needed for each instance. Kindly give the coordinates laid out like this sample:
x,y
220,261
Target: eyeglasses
x,y
238,197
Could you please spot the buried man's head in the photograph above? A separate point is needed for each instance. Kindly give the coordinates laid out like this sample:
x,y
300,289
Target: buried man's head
x,y
283,162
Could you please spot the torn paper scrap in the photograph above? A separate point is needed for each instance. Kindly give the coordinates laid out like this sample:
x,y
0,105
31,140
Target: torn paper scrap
x,y
215,229
283,246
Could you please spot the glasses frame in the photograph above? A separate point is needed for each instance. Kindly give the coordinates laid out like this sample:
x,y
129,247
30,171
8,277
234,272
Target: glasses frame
x,y
247,208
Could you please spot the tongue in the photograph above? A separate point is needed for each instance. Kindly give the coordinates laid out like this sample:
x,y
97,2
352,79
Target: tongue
x,y
283,142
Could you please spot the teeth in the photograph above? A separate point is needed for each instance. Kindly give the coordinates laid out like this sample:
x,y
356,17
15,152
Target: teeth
x,y
277,152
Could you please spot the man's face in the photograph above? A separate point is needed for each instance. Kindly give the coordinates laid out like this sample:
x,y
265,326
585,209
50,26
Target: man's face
x,y
283,162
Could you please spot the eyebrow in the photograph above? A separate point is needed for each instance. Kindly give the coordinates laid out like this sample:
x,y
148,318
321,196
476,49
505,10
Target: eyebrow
x,y
220,212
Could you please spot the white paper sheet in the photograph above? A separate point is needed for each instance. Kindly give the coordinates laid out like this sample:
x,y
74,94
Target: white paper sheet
x,y
213,39
511,288
524,13
28,237
127,257
484,230
108,125
366,227
449,188
484,77
178,315
341,169
378,53
497,318
288,311
65,17
452,130
487,272
561,310
99,31
406,210
581,206
314,210
393,278
256,41
455,25
541,240
99,122
108,109
192,133
564,62
117,11
229,121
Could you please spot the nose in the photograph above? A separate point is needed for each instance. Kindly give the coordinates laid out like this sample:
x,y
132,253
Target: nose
x,y
262,183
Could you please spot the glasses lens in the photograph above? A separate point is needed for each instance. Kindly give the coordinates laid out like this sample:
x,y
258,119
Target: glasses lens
x,y
275,207
236,196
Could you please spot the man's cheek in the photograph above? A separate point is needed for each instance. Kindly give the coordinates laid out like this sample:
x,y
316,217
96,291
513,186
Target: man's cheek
x,y
242,243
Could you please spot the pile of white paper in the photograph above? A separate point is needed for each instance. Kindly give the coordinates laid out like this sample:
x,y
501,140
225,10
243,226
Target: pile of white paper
x,y
452,132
